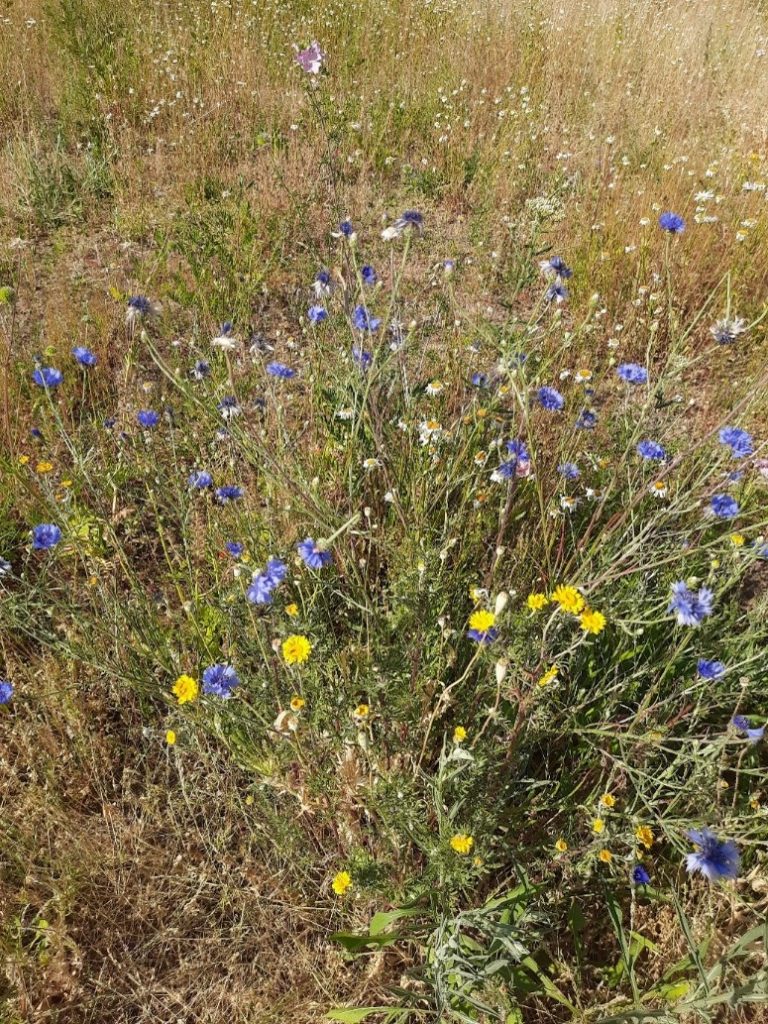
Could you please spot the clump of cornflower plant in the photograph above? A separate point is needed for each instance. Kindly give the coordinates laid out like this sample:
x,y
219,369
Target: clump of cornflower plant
x,y
714,858
84,356
47,377
689,607
220,680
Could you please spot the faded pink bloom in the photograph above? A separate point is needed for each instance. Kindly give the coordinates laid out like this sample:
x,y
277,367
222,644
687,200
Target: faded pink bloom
x,y
311,59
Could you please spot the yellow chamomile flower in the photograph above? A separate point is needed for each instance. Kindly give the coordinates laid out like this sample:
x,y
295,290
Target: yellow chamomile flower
x,y
341,882
598,826
561,846
592,621
361,712
606,800
462,844
738,540
296,649
459,734
292,610
549,676
186,689
537,601
605,856
644,835
569,599
170,737
482,621
297,703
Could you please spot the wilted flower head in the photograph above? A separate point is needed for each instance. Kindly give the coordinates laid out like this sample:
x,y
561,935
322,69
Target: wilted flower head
x,y
225,339
672,222
200,370
410,219
45,536
313,555
727,330
311,59
738,440
228,407
587,420
220,680
361,357
569,470
715,858
322,283
84,356
690,608
47,377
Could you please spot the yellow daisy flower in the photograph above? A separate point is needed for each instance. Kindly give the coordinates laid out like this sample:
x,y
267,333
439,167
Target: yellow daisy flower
x,y
296,649
598,826
537,601
341,882
482,621
569,599
644,835
459,734
591,621
605,856
185,689
561,846
462,844
606,800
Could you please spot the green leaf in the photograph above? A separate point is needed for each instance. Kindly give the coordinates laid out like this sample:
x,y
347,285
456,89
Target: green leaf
x,y
355,1014
382,920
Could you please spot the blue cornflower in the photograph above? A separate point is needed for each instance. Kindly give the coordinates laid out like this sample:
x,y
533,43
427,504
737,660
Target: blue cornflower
x,y
84,356
586,420
45,536
109,422
313,555
36,432
556,292
6,691
200,479
369,275
739,441
410,219
276,571
228,407
639,875
741,722
480,380
724,506
550,399
220,680
710,669
672,222
317,314
147,418
361,357
569,470
235,548
690,608
260,589
556,267
200,370
47,377
280,370
322,283
230,492
715,858
139,305
651,450
518,450
346,228
633,373
484,637
363,321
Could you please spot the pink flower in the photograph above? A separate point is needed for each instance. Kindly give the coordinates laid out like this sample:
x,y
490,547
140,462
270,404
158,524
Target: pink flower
x,y
311,59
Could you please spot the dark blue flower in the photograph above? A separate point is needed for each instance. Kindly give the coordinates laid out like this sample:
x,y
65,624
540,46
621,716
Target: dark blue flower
x,y
200,479
715,858
235,548
724,506
346,228
361,357
550,399
480,380
47,377
6,691
741,722
363,321
317,314
690,608
639,875
201,369
139,305
587,420
672,222
556,267
484,637
410,219
229,407
147,418
313,555
280,370
633,373
738,440
710,669
45,536
651,450
220,680
230,492
36,432
368,275
518,450
556,292
569,470
84,356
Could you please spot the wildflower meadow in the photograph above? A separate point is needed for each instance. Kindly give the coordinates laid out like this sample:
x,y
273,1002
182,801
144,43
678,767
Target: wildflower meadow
x,y
384,519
